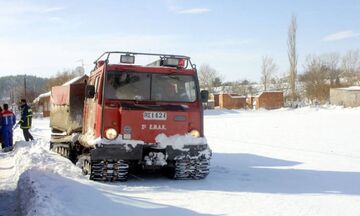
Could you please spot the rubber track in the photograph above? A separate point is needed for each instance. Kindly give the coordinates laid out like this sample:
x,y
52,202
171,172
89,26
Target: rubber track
x,y
109,170
191,168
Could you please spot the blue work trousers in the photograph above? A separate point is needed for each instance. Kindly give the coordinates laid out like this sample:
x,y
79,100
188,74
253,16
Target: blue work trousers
x,y
7,136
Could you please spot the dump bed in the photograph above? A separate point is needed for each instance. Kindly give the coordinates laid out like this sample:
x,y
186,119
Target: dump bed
x,y
67,104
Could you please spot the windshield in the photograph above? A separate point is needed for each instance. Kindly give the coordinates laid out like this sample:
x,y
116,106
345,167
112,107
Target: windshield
x,y
152,87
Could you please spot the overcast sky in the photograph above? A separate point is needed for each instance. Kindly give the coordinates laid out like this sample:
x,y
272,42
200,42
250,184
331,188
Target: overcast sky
x,y
43,37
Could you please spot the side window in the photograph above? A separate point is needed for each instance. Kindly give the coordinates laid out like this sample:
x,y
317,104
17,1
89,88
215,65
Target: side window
x,y
96,85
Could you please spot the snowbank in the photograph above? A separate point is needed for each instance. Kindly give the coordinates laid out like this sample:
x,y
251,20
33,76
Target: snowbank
x,y
281,162
179,141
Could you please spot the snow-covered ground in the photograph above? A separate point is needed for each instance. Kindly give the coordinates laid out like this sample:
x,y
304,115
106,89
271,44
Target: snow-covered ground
x,y
282,162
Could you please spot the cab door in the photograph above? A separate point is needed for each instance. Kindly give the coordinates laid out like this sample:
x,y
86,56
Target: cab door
x,y
91,107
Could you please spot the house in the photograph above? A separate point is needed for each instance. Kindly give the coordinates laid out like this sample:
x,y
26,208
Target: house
x,y
347,97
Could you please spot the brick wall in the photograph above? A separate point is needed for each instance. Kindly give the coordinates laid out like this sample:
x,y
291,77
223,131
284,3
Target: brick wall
x,y
232,101
270,100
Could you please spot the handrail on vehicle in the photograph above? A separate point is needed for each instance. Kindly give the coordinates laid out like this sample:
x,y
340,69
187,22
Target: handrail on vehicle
x,y
161,56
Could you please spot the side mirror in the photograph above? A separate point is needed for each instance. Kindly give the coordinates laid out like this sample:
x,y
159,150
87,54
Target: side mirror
x,y
90,91
204,96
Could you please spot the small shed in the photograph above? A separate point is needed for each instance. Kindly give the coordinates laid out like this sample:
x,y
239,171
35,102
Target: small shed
x,y
42,104
232,101
347,97
269,100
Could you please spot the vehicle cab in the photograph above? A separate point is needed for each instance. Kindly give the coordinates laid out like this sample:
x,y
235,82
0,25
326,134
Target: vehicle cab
x,y
149,114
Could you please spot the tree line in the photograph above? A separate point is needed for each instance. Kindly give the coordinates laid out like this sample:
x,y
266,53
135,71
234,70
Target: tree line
x,y
320,73
13,88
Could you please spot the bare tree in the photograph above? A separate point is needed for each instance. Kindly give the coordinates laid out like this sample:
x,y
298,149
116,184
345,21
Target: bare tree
x,y
208,77
79,71
292,55
268,68
315,79
351,61
331,63
279,83
64,76
237,87
350,67
217,82
240,87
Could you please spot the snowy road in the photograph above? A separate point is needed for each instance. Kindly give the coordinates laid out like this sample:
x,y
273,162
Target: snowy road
x,y
7,186
281,162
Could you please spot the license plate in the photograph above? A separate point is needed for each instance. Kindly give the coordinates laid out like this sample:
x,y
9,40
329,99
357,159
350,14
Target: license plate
x,y
155,116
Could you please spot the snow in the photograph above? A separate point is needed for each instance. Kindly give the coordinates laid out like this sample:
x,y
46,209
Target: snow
x,y
119,140
155,158
281,162
237,96
178,141
352,88
47,94
74,80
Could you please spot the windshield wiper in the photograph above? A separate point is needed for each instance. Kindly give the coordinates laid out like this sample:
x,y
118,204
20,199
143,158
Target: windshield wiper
x,y
172,107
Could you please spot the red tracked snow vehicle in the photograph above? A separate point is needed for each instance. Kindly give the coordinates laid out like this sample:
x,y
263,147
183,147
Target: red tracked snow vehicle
x,y
131,115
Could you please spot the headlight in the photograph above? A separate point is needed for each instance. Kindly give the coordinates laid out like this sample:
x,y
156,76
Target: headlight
x,y
195,133
111,133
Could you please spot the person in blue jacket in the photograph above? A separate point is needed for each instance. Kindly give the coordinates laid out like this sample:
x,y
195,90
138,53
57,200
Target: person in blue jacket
x,y
25,120
2,145
8,120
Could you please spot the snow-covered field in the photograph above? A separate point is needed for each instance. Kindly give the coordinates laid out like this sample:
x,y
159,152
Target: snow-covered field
x,y
282,162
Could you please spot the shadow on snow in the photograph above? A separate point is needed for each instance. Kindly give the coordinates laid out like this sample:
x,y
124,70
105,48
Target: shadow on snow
x,y
63,196
8,203
253,173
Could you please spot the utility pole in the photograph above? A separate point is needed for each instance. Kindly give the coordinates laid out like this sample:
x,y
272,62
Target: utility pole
x,y
25,86
82,62
82,65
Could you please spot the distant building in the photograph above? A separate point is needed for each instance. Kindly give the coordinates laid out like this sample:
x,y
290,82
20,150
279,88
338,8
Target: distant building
x,y
42,104
347,97
227,101
266,100
269,100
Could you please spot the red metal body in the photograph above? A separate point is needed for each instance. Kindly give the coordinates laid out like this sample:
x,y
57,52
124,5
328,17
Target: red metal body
x,y
122,109
116,115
